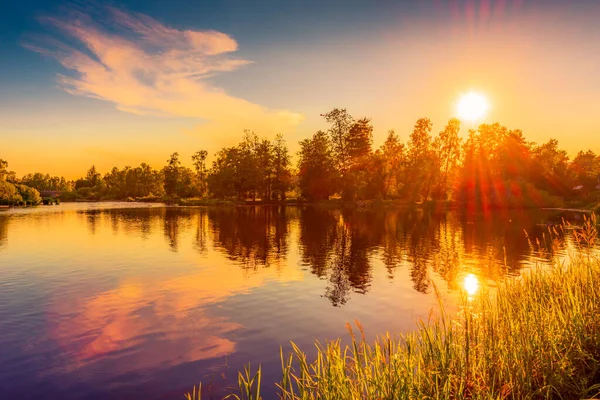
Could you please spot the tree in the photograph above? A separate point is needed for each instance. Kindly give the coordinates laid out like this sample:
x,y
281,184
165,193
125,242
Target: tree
x,y
282,174
223,179
9,194
91,179
92,176
351,148
419,166
356,178
172,174
317,174
264,168
29,195
341,122
585,169
394,160
5,174
199,159
248,173
3,169
448,144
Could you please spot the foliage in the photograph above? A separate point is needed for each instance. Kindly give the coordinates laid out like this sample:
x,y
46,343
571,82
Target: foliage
x,y
142,181
43,182
255,168
529,338
318,177
9,195
30,196
494,167
199,159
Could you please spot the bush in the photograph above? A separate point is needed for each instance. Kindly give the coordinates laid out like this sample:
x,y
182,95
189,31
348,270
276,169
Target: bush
x,y
9,195
30,195
150,198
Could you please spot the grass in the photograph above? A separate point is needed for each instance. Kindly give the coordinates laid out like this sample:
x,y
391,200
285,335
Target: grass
x,y
535,337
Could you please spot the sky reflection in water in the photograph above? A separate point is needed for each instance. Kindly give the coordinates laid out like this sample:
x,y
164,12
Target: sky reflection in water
x,y
98,300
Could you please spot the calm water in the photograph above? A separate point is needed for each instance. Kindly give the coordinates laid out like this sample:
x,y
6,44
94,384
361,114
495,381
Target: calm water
x,y
114,301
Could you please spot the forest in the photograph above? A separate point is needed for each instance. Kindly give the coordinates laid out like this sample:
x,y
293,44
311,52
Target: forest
x,y
491,166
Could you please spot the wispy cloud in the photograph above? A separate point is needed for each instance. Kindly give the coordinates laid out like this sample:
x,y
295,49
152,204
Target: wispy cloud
x,y
145,67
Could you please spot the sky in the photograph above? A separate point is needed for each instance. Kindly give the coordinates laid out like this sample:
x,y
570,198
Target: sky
x,y
125,82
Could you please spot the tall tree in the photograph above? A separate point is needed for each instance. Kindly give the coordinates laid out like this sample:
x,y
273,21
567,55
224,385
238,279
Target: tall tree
x,y
585,168
3,169
448,144
172,175
264,168
550,168
341,122
317,174
282,174
356,179
199,159
419,160
394,159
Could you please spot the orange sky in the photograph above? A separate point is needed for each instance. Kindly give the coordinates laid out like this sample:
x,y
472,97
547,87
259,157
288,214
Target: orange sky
x,y
136,88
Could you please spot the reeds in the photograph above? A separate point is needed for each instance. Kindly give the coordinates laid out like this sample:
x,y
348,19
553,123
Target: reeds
x,y
537,336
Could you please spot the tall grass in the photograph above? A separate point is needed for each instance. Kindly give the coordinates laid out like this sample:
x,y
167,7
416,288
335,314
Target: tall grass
x,y
533,337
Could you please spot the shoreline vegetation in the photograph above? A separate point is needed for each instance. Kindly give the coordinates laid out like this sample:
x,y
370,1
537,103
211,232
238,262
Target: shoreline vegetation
x,y
431,206
491,167
533,337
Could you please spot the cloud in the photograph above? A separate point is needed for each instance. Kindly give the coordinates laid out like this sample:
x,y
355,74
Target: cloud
x,y
145,67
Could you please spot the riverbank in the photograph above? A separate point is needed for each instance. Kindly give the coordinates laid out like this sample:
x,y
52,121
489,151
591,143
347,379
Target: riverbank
x,y
533,337
432,205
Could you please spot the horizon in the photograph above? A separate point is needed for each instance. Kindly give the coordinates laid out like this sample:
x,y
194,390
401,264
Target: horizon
x,y
89,84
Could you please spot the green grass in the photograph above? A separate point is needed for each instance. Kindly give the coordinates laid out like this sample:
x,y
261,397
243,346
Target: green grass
x,y
534,337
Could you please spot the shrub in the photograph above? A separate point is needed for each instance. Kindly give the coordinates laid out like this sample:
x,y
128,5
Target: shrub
x,y
30,195
9,195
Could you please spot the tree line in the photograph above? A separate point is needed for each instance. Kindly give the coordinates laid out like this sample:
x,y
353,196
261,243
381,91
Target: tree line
x,y
491,166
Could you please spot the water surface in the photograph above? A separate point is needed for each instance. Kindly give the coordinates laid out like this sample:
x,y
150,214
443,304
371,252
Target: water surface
x,y
121,301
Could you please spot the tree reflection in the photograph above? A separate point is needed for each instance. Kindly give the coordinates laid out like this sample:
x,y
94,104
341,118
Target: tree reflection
x,y
341,247
93,218
174,218
3,230
201,239
251,236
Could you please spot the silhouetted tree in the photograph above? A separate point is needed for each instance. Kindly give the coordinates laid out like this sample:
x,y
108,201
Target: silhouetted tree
x,y
419,161
448,146
199,159
318,177
282,174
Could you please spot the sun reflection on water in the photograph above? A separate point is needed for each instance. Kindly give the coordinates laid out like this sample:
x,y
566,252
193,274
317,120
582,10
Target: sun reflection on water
x,y
471,284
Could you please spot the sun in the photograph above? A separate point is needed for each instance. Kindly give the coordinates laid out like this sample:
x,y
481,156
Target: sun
x,y
472,106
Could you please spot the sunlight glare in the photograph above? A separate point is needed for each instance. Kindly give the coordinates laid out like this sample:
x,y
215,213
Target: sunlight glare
x,y
471,284
472,106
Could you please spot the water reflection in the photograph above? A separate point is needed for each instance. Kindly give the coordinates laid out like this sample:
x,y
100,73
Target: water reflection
x,y
341,246
471,284
3,230
127,298
252,236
